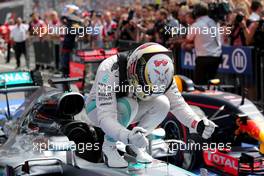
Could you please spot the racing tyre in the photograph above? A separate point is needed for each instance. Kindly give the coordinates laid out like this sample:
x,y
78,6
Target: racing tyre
x,y
175,130
3,139
185,157
88,140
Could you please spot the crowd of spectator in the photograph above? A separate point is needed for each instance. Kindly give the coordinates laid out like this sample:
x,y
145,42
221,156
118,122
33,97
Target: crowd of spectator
x,y
241,21
147,22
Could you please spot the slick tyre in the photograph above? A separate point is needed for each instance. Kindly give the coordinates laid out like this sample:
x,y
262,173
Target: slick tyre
x,y
188,159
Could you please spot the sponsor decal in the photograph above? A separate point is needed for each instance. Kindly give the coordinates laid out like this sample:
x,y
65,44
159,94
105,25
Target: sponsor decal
x,y
104,98
114,67
239,60
105,78
221,161
104,104
235,60
194,123
15,78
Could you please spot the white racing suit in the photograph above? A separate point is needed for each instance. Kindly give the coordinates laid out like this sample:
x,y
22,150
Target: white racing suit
x,y
114,114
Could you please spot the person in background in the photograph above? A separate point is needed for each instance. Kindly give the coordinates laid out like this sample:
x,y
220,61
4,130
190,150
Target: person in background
x,y
238,34
5,33
128,29
54,24
173,13
158,30
189,19
19,36
97,22
255,25
207,46
70,19
36,25
256,9
109,29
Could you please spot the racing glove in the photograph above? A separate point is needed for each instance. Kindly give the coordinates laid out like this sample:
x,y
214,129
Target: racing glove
x,y
137,138
205,128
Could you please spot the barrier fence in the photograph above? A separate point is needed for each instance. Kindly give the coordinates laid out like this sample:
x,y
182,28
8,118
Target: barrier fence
x,y
242,67
47,53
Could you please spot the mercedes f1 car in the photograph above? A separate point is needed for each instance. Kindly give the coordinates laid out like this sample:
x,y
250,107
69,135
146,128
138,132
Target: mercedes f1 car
x,y
15,87
47,137
237,145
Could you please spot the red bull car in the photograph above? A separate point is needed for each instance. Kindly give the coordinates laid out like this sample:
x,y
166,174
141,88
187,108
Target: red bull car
x,y
237,145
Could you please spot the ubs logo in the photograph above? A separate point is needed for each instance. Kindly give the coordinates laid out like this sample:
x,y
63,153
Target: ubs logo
x,y
239,60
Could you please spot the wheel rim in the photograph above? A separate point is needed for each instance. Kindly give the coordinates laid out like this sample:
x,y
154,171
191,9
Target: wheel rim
x,y
173,132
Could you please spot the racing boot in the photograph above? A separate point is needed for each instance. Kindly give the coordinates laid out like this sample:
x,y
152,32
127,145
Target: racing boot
x,y
111,156
140,154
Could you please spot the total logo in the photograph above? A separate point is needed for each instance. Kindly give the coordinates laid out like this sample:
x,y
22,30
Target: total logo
x,y
239,60
222,160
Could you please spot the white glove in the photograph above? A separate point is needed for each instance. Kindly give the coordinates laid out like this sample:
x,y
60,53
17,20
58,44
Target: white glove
x,y
136,137
205,127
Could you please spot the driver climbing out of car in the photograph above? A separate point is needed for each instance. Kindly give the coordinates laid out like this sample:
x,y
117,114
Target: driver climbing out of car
x,y
138,88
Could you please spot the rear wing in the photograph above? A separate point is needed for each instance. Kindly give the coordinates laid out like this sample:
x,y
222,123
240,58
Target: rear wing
x,y
16,79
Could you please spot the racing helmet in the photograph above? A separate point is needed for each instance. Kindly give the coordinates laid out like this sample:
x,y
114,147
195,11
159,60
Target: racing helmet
x,y
72,13
71,9
150,70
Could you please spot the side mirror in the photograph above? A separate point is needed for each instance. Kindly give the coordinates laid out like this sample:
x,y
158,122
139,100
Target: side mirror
x,y
71,103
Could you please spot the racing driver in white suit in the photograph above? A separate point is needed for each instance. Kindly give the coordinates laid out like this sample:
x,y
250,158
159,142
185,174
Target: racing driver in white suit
x,y
138,88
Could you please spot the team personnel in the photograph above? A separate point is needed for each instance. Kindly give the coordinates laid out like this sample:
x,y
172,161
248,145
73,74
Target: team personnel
x,y
19,36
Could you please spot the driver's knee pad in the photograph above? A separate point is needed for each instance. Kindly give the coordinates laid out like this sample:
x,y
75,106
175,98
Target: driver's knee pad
x,y
127,109
161,104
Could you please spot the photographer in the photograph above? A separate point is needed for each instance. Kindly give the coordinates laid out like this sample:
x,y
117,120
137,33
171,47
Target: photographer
x,y
158,31
256,9
256,27
128,27
240,34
